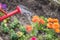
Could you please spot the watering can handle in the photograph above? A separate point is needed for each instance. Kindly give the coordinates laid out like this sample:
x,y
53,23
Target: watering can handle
x,y
3,11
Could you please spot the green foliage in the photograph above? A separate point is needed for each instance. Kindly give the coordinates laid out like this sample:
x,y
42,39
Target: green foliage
x,y
4,27
41,37
22,38
38,26
34,32
1,14
50,34
45,33
14,24
13,35
22,29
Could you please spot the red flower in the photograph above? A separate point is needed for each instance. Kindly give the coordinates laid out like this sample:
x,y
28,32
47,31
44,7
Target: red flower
x,y
29,28
33,38
41,21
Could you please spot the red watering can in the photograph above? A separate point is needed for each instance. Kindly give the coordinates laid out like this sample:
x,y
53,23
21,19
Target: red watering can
x,y
17,10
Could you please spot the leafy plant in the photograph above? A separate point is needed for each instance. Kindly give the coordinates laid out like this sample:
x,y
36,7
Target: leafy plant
x,y
22,29
4,27
22,38
38,29
14,24
1,14
13,35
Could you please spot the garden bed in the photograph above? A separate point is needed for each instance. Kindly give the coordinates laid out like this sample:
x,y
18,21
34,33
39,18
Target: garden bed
x,y
44,8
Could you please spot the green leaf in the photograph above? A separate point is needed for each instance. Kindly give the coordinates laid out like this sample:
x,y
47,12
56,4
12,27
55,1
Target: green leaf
x,y
13,35
34,32
14,24
4,27
22,29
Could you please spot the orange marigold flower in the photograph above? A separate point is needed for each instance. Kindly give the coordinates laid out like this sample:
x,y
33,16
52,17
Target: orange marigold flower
x,y
50,20
55,20
57,30
35,18
41,21
29,28
49,25
55,25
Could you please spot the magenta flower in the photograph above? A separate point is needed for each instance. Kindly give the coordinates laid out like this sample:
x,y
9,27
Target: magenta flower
x,y
0,5
4,6
33,38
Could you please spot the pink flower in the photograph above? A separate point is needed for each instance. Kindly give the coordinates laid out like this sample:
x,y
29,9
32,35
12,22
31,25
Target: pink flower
x,y
0,5
33,38
4,6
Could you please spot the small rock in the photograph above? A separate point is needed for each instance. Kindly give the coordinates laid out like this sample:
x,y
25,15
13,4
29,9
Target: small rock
x,y
1,38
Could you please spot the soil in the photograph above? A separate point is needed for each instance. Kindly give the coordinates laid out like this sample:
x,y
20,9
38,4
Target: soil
x,y
44,8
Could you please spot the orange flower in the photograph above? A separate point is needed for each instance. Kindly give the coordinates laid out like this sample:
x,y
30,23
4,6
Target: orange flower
x,y
57,30
41,21
49,25
29,28
35,18
55,20
55,25
50,20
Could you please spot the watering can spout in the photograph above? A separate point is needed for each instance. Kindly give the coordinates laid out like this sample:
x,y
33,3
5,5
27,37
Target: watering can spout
x,y
19,9
24,10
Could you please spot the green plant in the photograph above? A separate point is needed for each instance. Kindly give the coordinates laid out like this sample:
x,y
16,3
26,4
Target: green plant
x,y
22,29
4,27
22,38
13,35
14,24
1,14
38,28
50,34
19,34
